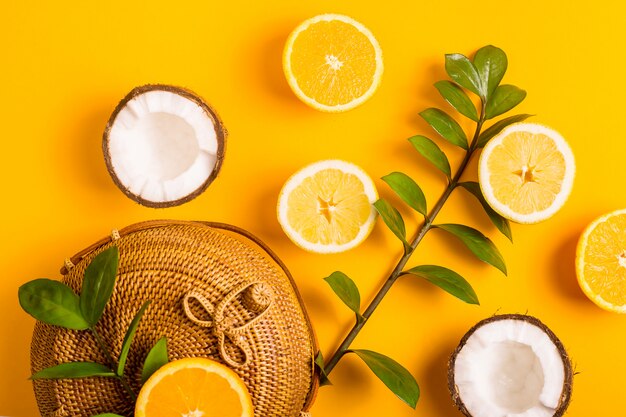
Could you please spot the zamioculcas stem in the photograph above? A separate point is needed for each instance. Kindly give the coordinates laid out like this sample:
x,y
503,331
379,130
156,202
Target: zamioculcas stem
x,y
397,271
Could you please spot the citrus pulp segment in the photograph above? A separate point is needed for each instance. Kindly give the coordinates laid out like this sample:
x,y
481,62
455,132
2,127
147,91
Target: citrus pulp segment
x,y
327,207
332,62
526,172
601,261
194,387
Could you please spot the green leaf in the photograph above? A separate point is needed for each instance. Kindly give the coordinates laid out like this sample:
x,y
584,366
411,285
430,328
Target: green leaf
x,y
447,280
319,362
461,70
504,99
491,64
128,338
479,244
500,222
457,98
107,415
407,190
446,126
392,374
98,284
347,291
52,302
156,358
393,220
497,127
429,150
74,370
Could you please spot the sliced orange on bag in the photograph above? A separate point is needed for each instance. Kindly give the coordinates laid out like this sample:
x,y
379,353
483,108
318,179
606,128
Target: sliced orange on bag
x,y
526,172
332,62
327,207
601,261
194,387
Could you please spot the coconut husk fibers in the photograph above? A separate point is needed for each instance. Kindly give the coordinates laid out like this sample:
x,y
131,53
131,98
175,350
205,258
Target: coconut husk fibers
x,y
567,365
220,131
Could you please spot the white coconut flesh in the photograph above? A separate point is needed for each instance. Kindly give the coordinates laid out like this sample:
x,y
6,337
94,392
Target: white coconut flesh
x,y
509,368
162,146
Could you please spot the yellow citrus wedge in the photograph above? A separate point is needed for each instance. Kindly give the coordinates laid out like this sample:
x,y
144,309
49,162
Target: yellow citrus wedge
x,y
194,387
332,62
327,207
526,172
601,261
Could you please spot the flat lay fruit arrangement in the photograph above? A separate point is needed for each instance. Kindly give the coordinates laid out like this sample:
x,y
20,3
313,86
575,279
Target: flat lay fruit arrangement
x,y
300,211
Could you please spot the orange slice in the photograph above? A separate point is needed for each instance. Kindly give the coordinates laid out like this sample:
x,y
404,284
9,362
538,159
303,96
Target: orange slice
x,y
327,207
194,387
601,261
526,172
332,62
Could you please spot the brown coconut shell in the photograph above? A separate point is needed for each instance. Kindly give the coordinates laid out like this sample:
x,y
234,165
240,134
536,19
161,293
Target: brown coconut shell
x,y
566,394
220,132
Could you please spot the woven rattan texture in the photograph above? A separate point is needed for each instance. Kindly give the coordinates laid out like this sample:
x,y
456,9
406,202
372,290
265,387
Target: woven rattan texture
x,y
163,263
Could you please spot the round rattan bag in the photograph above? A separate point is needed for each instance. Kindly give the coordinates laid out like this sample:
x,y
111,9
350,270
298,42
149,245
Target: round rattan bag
x,y
216,291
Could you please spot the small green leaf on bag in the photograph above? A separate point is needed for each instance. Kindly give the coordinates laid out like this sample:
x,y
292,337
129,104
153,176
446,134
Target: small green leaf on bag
x,y
497,127
491,64
407,190
447,280
107,415
500,222
347,291
52,302
74,370
464,73
319,363
479,244
446,126
393,220
457,98
98,284
429,150
156,358
392,374
504,99
128,338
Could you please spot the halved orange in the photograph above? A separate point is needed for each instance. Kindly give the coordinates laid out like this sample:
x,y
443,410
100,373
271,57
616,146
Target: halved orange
x,y
194,387
601,261
332,62
526,172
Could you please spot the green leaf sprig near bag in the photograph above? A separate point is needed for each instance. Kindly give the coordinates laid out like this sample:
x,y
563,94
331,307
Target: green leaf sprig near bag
x,y
55,303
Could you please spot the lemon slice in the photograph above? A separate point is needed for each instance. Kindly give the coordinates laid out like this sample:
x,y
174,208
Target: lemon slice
x,y
601,261
327,207
526,172
332,62
194,387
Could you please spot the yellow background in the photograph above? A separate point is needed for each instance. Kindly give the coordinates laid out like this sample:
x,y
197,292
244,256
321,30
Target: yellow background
x,y
65,65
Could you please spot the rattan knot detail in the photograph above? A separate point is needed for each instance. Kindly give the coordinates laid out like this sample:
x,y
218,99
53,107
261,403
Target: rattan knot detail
x,y
257,297
223,325
68,264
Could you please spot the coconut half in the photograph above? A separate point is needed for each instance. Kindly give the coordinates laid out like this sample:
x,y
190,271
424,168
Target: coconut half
x,y
163,145
510,366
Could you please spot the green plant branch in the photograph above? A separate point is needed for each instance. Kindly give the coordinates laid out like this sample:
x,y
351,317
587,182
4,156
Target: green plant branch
x,y
397,271
112,363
